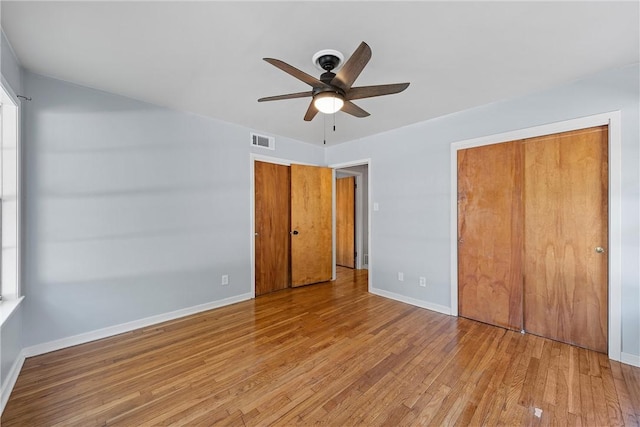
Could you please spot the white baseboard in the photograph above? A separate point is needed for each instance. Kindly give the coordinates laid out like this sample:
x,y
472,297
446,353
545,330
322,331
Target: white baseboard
x,y
630,359
127,327
627,358
413,301
10,382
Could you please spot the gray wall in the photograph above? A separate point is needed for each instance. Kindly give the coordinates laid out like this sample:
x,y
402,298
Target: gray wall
x,y
132,210
410,179
9,65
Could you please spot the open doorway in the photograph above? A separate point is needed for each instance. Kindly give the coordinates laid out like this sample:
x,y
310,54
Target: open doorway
x,y
346,253
352,216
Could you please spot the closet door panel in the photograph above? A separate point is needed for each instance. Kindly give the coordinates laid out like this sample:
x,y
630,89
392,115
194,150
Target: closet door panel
x,y
565,245
311,224
272,224
490,234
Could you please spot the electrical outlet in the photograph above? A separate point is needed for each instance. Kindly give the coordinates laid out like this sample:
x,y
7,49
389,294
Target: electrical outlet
x,y
225,279
423,282
401,277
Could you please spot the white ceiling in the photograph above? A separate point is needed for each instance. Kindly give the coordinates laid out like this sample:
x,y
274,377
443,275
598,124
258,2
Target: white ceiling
x,y
206,57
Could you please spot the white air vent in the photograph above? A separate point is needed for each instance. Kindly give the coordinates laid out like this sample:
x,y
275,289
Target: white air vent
x,y
262,141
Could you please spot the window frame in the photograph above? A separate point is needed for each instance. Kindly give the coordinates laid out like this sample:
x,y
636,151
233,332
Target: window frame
x,y
10,278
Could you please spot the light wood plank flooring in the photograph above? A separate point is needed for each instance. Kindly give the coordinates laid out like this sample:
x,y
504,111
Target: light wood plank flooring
x,y
329,354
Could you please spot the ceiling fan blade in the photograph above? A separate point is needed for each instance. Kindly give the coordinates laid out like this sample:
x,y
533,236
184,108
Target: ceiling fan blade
x,y
353,67
351,108
311,112
300,75
287,96
379,90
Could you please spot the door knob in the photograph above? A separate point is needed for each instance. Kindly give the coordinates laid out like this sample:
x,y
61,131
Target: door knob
x,y
294,232
600,249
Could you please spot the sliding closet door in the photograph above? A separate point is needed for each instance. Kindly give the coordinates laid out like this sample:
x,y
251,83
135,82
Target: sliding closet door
x,y
490,234
565,225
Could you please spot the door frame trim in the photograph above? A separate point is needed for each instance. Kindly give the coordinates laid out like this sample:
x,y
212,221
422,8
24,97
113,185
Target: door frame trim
x,y
253,157
613,120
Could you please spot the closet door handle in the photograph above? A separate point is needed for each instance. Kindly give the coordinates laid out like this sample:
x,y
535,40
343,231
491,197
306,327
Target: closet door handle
x,y
295,232
600,249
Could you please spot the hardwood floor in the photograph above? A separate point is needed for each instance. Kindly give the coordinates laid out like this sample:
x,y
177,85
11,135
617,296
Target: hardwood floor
x,y
329,354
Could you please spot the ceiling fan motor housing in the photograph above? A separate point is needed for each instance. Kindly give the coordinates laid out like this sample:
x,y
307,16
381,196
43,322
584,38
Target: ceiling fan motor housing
x,y
328,62
326,77
327,59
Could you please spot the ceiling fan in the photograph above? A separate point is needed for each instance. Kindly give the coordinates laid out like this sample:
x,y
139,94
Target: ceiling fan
x,y
333,92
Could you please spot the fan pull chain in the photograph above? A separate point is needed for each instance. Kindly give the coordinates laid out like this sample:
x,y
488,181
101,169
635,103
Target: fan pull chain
x,y
334,121
324,128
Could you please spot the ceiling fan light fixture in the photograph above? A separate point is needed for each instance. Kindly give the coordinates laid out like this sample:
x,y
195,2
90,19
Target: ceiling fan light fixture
x,y
328,102
333,91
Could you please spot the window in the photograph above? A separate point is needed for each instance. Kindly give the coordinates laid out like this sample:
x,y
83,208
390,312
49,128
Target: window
x,y
9,197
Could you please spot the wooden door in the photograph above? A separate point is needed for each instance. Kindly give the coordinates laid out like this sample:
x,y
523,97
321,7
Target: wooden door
x,y
566,204
272,225
311,224
345,222
490,234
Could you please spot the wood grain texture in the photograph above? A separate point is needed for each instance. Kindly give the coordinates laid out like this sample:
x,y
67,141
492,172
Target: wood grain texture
x,y
490,234
329,354
566,205
345,222
353,67
311,216
272,225
361,92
